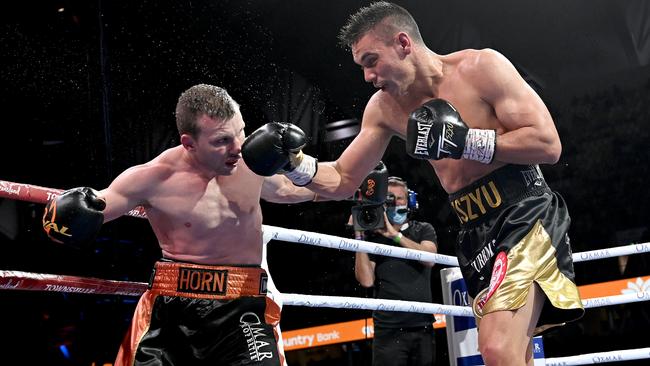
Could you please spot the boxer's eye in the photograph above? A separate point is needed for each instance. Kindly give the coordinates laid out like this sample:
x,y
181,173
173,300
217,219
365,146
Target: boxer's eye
x,y
221,141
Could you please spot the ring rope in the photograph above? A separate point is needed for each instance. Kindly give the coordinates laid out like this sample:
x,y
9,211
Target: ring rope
x,y
37,194
18,280
600,357
335,242
345,302
341,302
353,245
611,252
597,302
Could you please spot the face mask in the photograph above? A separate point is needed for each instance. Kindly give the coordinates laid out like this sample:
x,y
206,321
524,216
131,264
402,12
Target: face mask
x,y
397,214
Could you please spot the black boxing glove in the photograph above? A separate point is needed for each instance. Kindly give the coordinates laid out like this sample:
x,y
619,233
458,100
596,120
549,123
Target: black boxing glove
x,y
436,131
75,216
276,148
374,188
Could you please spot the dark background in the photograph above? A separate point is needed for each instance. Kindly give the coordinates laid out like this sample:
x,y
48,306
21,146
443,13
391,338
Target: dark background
x,y
88,88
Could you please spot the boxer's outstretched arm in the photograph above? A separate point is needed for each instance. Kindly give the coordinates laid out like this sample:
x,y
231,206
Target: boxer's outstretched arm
x,y
280,189
76,215
340,179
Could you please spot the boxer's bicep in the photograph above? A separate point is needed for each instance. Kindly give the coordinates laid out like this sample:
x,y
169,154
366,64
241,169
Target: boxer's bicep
x,y
127,191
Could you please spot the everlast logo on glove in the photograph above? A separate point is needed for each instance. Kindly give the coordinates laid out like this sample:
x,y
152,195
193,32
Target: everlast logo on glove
x,y
422,144
436,131
422,117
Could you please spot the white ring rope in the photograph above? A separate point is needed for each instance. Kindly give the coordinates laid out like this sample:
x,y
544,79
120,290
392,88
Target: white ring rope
x,y
597,302
611,252
342,302
600,357
353,245
18,280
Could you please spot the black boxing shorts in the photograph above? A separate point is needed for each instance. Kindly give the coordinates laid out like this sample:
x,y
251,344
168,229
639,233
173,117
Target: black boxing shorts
x,y
203,315
513,232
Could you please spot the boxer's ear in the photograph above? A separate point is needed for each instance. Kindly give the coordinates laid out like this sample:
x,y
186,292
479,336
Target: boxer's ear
x,y
404,42
187,141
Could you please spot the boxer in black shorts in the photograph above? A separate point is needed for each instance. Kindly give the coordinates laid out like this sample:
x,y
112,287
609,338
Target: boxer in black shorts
x,y
203,204
203,315
513,233
468,113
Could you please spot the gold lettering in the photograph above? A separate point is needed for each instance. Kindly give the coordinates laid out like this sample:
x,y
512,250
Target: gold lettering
x,y
195,280
183,283
481,193
477,199
219,281
205,281
497,197
461,214
471,215
52,225
190,280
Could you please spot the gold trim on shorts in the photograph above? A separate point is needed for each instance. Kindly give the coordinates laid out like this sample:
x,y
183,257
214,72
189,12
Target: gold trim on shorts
x,y
532,259
207,282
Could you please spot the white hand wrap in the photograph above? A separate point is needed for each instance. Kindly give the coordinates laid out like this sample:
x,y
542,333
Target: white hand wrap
x,y
480,145
304,171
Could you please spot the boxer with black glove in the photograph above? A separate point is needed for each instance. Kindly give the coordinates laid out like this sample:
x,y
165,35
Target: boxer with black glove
x,y
276,148
75,216
374,188
368,213
436,131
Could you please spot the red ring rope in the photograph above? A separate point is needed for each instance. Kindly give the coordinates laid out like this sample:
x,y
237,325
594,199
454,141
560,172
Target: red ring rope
x,y
36,194
17,280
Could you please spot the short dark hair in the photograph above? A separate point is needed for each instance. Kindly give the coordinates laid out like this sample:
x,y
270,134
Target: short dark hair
x,y
367,18
213,101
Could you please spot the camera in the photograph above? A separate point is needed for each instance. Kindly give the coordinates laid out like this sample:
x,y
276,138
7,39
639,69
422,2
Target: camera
x,y
368,217
371,216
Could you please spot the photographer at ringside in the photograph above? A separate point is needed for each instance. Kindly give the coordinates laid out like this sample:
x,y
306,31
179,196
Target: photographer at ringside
x,y
400,338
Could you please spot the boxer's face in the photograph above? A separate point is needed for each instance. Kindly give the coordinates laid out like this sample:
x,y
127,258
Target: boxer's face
x,y
382,62
218,144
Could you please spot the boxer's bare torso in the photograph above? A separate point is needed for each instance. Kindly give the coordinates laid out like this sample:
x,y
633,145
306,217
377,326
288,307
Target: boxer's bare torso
x,y
482,85
196,218
453,87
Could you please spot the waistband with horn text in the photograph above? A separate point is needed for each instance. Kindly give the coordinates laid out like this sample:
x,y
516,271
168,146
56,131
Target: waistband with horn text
x,y
207,282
